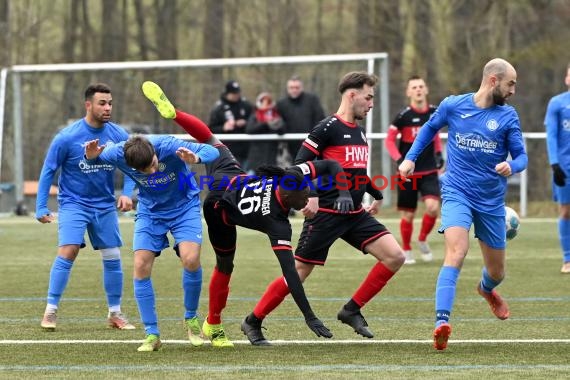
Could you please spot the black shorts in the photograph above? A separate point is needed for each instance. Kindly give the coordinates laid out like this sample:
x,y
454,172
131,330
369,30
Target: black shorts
x,y
223,168
320,232
221,233
426,185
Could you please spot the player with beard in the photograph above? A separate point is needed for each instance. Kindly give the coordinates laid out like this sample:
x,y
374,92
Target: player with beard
x,y
340,138
483,130
86,202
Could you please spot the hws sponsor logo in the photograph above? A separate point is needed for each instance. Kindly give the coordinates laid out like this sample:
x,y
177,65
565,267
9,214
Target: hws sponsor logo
x,y
358,155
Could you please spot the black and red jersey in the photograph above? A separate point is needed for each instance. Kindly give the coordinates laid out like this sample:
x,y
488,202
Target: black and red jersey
x,y
344,142
407,124
255,204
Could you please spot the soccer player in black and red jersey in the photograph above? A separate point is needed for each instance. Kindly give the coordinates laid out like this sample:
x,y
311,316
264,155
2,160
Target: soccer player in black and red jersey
x,y
340,138
407,125
261,203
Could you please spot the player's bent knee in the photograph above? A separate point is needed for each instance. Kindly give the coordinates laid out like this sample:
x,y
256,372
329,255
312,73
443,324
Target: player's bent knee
x,y
69,251
394,260
191,261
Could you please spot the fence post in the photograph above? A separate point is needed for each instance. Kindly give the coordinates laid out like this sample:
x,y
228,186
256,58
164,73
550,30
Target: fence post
x,y
523,189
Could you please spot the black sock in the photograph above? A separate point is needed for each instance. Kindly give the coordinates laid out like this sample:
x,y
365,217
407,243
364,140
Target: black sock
x,y
253,320
352,306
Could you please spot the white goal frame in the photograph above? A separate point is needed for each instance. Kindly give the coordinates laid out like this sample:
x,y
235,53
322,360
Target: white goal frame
x,y
15,72
377,63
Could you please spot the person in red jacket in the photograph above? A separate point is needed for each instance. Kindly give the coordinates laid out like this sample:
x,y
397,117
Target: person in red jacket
x,y
407,125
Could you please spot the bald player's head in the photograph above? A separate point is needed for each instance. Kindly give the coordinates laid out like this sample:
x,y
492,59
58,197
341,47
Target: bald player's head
x,y
500,78
497,67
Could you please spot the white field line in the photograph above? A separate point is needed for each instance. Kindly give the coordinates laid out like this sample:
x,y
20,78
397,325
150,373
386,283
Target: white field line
x,y
293,342
295,220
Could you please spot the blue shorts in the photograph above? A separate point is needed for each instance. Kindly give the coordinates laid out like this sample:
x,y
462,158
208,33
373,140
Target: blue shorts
x,y
489,228
561,194
151,231
102,227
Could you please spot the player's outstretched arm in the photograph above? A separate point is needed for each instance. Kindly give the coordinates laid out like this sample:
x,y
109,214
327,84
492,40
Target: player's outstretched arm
x,y
317,326
43,214
295,285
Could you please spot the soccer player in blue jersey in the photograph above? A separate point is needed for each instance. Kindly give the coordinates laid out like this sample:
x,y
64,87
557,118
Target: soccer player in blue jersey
x,y
557,123
168,201
483,130
86,202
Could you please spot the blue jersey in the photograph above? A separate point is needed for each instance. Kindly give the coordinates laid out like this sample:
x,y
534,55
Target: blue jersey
x,y
80,183
557,123
478,140
172,188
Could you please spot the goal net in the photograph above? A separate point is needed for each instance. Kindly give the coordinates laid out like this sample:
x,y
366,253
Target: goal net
x,y
38,100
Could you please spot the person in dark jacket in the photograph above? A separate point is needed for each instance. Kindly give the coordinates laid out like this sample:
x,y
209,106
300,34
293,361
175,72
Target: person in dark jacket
x,y
230,115
300,111
265,119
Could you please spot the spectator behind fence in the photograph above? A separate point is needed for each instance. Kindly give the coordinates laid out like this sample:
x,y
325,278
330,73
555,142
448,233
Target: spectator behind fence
x,y
230,115
300,111
265,119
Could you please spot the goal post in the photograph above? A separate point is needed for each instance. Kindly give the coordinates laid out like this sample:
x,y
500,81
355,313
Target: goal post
x,y
15,129
377,121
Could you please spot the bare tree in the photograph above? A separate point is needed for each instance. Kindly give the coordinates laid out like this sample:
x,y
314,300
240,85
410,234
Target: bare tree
x,y
409,47
69,45
363,32
111,46
441,16
5,36
290,26
141,30
87,51
166,29
213,32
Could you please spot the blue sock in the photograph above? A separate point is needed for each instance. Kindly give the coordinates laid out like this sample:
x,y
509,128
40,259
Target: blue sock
x,y
144,295
564,235
58,279
192,286
487,283
113,281
445,293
